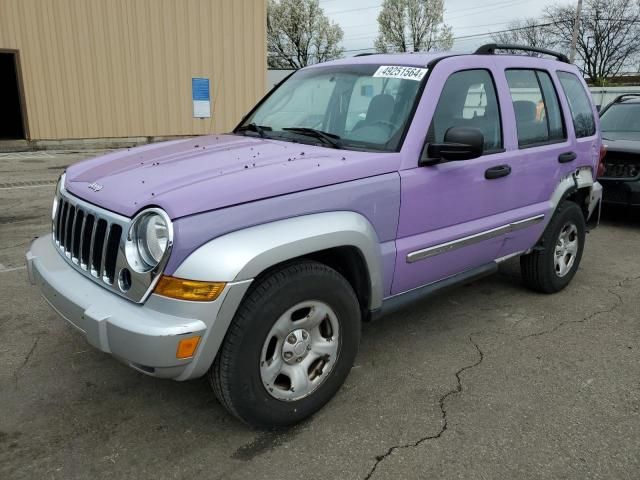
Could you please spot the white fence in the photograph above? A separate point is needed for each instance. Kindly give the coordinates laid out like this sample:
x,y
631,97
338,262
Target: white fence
x,y
602,96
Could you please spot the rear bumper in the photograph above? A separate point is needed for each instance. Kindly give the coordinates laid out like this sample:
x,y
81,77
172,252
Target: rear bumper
x,y
621,192
143,336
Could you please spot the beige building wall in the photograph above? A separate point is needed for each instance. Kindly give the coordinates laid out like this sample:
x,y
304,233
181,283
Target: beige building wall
x,y
123,68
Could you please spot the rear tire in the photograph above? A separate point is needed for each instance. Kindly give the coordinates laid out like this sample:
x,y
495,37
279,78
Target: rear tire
x,y
552,268
290,346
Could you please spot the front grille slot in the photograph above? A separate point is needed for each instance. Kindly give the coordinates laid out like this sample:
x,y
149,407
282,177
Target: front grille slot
x,y
85,240
622,165
111,252
75,234
98,247
89,241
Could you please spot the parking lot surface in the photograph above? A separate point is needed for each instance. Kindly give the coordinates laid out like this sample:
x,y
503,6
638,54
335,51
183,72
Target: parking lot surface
x,y
486,381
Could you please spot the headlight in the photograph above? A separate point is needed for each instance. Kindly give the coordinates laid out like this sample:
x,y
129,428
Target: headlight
x,y
149,237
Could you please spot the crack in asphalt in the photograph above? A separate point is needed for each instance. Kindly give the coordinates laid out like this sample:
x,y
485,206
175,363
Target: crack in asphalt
x,y
458,388
592,315
16,374
443,409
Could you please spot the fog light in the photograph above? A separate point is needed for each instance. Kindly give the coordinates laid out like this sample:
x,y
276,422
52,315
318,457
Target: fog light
x,y
193,290
187,347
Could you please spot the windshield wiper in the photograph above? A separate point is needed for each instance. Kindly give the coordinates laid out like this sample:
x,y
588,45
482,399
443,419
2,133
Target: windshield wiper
x,y
328,138
252,127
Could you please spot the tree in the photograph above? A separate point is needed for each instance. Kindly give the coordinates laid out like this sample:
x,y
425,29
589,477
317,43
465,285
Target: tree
x,y
299,34
527,32
608,35
413,25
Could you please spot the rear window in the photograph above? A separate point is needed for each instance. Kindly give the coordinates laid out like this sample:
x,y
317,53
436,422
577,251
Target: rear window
x,y
537,110
621,118
579,104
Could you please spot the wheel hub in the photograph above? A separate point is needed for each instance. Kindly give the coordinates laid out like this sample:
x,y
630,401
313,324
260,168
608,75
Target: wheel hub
x,y
300,351
566,249
297,346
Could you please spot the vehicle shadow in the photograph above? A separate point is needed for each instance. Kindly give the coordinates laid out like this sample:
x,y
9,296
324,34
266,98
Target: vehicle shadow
x,y
620,216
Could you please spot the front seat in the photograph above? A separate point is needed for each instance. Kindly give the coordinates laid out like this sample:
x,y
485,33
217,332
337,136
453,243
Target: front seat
x,y
380,110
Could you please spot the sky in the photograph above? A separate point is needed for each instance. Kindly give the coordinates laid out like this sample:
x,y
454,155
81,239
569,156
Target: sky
x,y
358,19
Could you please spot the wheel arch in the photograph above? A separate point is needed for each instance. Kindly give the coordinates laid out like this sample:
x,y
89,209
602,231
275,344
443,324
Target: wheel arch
x,y
578,187
345,241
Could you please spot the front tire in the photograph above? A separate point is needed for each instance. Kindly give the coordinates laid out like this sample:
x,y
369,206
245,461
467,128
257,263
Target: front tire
x,y
552,268
290,346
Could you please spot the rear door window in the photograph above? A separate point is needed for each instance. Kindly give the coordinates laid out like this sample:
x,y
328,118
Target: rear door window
x,y
536,106
579,104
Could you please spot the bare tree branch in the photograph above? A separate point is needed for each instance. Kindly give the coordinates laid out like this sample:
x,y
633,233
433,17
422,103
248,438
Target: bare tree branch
x,y
299,34
527,32
608,35
412,25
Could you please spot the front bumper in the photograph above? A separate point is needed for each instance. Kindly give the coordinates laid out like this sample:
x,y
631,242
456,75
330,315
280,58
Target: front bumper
x,y
143,336
621,192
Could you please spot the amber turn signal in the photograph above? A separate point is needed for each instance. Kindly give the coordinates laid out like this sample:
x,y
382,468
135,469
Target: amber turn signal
x,y
187,346
193,290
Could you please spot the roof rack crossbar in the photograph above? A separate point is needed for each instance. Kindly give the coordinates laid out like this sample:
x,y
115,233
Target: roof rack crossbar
x,y
490,49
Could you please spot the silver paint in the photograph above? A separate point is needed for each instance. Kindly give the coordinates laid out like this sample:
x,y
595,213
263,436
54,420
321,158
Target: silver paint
x,y
472,239
142,282
143,336
244,254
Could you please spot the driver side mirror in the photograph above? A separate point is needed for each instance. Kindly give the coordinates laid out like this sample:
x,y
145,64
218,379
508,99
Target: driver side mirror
x,y
460,143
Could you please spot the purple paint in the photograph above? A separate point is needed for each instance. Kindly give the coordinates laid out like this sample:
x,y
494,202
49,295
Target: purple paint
x,y
183,178
214,185
376,198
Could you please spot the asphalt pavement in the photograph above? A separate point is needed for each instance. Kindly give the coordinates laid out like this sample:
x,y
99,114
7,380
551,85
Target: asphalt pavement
x,y
486,381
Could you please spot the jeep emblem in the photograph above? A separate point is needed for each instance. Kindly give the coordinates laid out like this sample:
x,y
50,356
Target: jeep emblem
x,y
96,187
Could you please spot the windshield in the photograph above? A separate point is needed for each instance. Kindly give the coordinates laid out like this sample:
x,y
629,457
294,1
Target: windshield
x,y
621,122
361,107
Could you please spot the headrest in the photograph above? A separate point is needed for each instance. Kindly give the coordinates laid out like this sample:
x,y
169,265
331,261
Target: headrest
x,y
525,110
380,108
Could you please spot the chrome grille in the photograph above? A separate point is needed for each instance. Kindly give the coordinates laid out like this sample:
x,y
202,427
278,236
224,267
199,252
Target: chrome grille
x,y
92,240
88,240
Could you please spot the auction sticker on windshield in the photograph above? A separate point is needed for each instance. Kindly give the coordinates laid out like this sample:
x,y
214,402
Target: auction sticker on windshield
x,y
405,73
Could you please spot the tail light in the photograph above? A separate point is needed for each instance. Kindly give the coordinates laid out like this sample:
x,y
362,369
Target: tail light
x,y
601,166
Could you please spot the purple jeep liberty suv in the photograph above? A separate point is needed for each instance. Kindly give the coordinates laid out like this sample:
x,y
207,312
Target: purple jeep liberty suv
x,y
353,187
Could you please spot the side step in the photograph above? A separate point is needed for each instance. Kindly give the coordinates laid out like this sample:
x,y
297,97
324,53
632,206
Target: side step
x,y
403,300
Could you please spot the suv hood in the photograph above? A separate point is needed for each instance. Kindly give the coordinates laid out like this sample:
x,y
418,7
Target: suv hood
x,y
185,177
621,145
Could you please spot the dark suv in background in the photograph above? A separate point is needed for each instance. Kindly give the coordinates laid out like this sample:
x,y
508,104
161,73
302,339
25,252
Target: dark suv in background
x,y
620,179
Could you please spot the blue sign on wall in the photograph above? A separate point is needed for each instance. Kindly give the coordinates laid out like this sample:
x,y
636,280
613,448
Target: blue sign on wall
x,y
201,96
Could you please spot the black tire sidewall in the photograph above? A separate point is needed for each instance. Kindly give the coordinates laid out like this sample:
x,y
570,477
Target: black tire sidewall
x,y
250,399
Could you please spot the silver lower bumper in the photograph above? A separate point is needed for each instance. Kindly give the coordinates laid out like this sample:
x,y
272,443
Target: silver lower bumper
x,y
144,336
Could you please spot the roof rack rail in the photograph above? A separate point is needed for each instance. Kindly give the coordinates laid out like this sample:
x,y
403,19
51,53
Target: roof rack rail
x,y
620,98
490,49
366,54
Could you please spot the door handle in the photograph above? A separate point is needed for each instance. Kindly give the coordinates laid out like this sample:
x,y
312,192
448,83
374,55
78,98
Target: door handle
x,y
567,157
497,172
